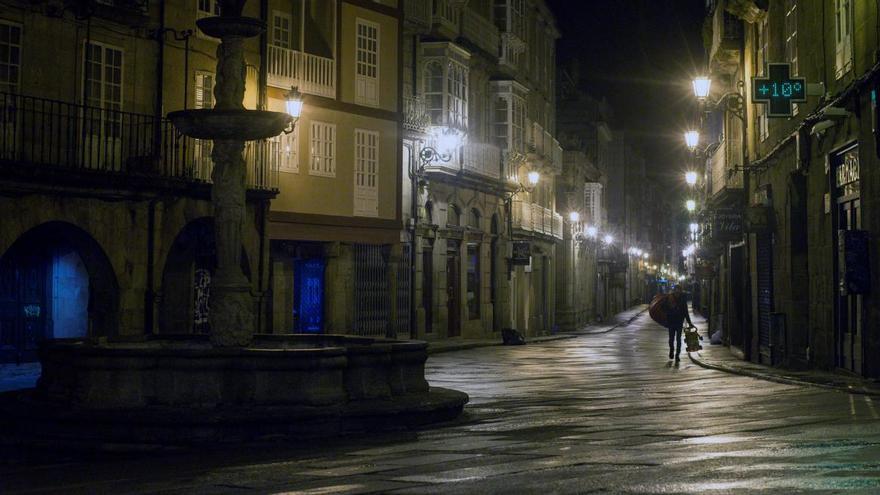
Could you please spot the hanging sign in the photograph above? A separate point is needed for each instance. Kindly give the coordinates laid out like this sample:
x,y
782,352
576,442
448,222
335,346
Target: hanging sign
x,y
779,90
521,253
727,224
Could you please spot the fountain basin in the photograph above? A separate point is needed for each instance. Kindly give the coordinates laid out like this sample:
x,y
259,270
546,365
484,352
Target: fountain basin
x,y
226,26
181,390
237,125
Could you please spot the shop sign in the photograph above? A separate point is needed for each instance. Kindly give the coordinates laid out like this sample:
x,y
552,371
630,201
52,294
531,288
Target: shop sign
x,y
727,224
705,269
758,219
848,170
521,254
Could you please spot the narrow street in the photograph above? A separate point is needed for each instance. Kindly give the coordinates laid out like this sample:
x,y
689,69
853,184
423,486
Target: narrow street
x,y
605,413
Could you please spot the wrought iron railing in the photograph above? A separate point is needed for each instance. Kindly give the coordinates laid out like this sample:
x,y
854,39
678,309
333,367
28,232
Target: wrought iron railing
x,y
415,113
39,133
418,12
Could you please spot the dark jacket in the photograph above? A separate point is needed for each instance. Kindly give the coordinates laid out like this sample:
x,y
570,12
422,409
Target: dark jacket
x,y
677,313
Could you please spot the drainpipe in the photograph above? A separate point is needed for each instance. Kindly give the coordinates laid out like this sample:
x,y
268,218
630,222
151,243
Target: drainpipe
x,y
414,222
149,293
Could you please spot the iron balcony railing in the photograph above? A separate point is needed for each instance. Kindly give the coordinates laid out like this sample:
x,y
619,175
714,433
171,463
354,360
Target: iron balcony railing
x,y
418,12
415,114
39,133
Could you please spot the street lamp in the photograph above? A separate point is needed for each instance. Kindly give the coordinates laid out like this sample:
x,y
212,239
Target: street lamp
x,y
592,231
294,106
694,228
702,84
691,205
608,239
692,139
533,178
691,178
646,255
574,217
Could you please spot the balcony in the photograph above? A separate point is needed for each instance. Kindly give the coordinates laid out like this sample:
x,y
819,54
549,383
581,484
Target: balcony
x,y
722,175
482,159
417,14
512,50
535,218
415,114
42,138
310,73
447,17
480,32
727,34
556,157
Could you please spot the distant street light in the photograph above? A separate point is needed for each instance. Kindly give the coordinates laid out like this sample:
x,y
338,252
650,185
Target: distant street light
x,y
533,178
691,205
574,217
702,84
592,231
694,228
691,178
646,255
608,239
692,139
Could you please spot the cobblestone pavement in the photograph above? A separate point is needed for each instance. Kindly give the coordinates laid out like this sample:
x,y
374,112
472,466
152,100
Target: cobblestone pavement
x,y
604,413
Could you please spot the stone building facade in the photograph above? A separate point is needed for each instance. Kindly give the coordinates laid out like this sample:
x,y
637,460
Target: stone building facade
x,y
106,227
482,72
795,289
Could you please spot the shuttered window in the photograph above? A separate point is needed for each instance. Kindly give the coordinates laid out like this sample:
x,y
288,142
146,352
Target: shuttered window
x,y
843,37
366,173
367,60
322,149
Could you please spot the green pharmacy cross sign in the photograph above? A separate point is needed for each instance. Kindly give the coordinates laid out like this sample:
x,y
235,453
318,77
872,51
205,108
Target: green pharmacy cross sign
x,y
779,90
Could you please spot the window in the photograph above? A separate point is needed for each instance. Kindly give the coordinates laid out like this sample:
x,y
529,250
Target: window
x,y
204,98
445,84
510,122
367,73
281,34
366,173
791,49
453,216
474,219
10,57
207,8
593,203
473,281
843,37
762,123
323,149
288,158
102,88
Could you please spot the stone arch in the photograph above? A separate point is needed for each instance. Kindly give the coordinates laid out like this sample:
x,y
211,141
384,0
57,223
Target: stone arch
x,y
57,281
475,218
189,266
453,214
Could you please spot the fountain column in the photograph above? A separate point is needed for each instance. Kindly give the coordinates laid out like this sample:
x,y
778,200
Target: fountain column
x,y
232,307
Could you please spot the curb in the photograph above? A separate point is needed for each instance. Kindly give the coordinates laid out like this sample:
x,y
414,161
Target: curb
x,y
537,340
780,379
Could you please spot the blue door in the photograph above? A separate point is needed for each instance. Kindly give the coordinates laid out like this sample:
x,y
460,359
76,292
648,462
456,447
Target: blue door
x,y
308,295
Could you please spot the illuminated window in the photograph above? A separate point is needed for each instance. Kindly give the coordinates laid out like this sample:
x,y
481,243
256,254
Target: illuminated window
x,y
367,56
203,97
843,37
286,151
445,84
366,173
10,57
207,8
323,149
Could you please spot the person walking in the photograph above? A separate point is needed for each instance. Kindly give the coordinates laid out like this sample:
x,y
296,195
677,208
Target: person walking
x,y
677,314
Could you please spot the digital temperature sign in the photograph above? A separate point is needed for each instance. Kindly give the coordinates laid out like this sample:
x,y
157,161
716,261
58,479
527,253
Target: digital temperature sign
x,y
779,90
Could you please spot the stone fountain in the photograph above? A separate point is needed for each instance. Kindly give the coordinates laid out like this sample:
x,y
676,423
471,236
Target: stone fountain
x,y
233,385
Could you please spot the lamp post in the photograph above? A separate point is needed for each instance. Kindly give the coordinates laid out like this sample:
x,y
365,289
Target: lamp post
x,y
690,205
690,177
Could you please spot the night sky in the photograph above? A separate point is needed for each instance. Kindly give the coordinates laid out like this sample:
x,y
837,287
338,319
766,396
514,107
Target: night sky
x,y
641,56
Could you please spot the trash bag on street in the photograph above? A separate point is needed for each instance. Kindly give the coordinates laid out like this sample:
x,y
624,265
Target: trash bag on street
x,y
512,337
715,339
659,309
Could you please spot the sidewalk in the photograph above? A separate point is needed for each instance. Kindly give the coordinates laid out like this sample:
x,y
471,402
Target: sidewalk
x,y
620,319
718,357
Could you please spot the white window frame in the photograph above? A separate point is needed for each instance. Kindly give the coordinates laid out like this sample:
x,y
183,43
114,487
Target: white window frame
x,y
593,203
843,28
9,47
791,39
287,151
366,173
367,62
322,149
277,30
203,98
762,121
114,105
213,8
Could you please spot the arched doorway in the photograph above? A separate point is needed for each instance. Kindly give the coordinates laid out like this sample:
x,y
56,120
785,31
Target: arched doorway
x,y
186,279
55,282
